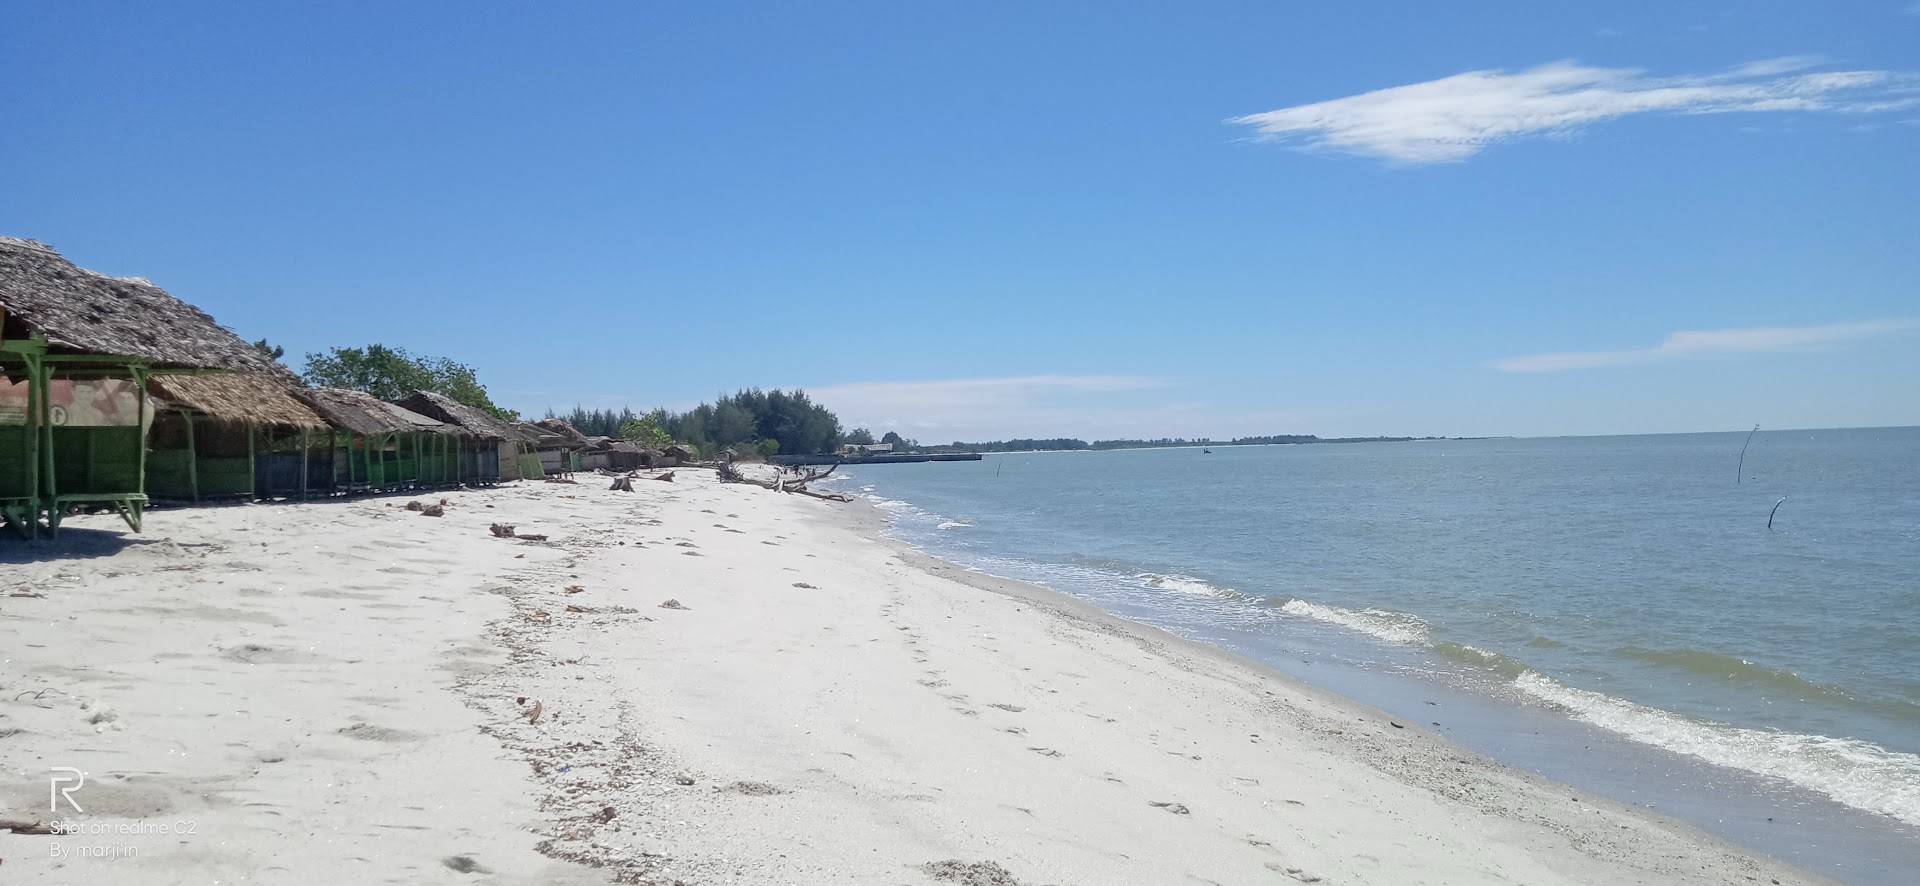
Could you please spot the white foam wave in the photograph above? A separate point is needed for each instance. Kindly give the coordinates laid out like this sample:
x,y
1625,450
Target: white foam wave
x,y
1393,627
953,524
1186,584
1860,774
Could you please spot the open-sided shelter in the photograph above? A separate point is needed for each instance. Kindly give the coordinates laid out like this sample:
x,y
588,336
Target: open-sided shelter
x,y
76,351
561,445
235,435
491,448
377,446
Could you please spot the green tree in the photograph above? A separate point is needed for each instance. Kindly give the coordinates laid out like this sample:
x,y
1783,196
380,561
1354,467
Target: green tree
x,y
859,437
645,432
769,447
392,373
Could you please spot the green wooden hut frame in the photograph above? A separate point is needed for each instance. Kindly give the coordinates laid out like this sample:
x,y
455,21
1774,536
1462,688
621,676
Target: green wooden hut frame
x,y
49,466
65,330
490,449
230,436
375,446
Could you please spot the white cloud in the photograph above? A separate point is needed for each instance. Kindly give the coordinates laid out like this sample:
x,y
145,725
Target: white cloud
x,y
1455,117
1681,345
995,408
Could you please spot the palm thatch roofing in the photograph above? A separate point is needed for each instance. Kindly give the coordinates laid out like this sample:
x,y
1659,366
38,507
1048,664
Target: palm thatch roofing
x,y
472,422
538,436
239,397
570,436
83,312
363,413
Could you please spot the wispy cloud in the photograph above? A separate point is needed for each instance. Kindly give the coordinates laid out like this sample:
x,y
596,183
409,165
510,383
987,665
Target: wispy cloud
x,y
1681,345
1455,117
986,408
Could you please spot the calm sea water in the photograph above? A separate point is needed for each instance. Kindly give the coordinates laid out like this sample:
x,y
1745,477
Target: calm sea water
x,y
1613,611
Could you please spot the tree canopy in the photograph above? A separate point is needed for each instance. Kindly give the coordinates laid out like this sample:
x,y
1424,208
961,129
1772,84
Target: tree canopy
x,y
392,374
746,420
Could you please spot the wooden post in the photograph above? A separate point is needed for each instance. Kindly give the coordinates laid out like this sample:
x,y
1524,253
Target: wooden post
x,y
193,461
303,464
253,470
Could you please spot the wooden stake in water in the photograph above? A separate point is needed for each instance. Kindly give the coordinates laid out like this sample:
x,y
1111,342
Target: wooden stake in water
x,y
1776,509
1742,469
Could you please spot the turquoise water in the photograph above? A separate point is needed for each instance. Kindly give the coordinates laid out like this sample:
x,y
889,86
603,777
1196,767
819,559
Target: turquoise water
x,y
1623,593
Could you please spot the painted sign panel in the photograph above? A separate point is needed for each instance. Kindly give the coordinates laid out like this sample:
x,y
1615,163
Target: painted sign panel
x,y
76,402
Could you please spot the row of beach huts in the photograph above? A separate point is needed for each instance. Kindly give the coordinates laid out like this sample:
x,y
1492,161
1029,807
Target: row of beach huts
x,y
115,395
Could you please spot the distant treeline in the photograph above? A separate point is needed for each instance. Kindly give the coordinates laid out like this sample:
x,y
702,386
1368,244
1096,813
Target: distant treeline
x,y
1062,444
767,421
1022,445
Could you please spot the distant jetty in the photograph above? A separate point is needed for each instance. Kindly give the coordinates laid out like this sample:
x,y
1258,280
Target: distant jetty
x,y
868,459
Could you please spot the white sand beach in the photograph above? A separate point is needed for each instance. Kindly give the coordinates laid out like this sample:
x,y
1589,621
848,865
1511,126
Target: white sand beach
x,y
351,692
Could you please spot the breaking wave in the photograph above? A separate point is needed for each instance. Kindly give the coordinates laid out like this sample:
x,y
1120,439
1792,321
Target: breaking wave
x,y
1186,584
1860,774
1385,624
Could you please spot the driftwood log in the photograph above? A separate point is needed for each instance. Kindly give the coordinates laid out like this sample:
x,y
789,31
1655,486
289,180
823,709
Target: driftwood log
x,y
781,483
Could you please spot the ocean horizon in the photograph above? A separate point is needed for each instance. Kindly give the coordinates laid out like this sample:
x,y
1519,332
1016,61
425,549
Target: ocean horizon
x,y
1615,612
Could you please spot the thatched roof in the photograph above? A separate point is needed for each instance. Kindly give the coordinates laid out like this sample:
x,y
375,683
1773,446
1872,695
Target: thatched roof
x,y
241,397
363,413
539,436
471,422
570,436
83,312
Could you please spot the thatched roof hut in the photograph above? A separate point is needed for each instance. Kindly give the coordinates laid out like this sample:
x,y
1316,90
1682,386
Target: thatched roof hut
x,y
570,436
471,422
82,312
241,398
365,414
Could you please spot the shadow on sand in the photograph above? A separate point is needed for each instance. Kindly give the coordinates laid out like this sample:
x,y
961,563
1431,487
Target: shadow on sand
x,y
73,543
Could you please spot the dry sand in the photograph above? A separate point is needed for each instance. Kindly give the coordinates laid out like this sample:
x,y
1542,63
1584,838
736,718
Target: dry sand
x,y
346,692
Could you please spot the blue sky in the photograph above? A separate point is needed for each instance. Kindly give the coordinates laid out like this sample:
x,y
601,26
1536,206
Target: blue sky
x,y
983,220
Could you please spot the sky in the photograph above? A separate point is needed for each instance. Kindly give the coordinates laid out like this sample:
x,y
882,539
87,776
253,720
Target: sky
x,y
972,221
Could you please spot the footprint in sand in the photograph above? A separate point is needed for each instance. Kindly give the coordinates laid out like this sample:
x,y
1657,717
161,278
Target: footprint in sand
x,y
1295,873
465,864
370,732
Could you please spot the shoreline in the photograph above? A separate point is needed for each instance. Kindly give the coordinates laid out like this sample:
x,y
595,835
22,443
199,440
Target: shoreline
x,y
821,705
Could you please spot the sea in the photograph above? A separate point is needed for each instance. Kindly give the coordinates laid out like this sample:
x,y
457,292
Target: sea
x,y
1722,627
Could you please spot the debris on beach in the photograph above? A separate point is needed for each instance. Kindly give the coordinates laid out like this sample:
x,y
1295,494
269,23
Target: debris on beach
x,y
1175,808
730,474
672,604
622,484
433,511
753,789
666,477
984,873
575,589
533,716
802,584
683,777
505,530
